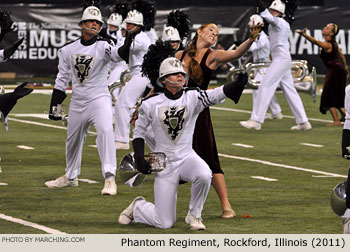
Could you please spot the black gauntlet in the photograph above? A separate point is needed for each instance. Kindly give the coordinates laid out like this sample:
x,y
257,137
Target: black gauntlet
x,y
345,143
141,164
57,97
124,50
235,89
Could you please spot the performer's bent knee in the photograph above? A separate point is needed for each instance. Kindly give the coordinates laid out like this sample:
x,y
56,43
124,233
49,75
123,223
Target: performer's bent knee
x,y
165,224
204,175
104,129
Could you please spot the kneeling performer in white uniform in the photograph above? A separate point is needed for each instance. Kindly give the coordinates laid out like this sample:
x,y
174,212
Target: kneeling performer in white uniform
x,y
172,115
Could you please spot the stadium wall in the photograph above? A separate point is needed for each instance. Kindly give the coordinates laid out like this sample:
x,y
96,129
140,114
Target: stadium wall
x,y
47,27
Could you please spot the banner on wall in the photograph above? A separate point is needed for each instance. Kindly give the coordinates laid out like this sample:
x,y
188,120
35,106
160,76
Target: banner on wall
x,y
46,28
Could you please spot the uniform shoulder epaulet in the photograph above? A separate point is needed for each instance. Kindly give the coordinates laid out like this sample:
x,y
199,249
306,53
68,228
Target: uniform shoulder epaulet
x,y
191,88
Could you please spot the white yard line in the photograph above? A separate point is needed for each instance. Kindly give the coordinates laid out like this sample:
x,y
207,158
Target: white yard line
x,y
10,88
25,147
31,224
312,145
243,145
321,176
44,124
41,116
3,183
264,178
283,166
88,181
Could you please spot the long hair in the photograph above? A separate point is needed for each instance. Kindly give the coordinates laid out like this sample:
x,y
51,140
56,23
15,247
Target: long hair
x,y
194,69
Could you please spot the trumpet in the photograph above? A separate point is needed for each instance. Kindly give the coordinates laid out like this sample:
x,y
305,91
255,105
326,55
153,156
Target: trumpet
x,y
124,78
303,80
130,176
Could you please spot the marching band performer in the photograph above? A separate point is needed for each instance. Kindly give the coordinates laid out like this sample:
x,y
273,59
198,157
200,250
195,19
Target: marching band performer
x,y
114,32
171,34
114,23
279,71
134,48
176,29
333,93
172,115
200,62
260,50
85,63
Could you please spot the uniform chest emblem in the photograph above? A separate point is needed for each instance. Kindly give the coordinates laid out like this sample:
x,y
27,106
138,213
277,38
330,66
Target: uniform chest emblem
x,y
82,65
172,120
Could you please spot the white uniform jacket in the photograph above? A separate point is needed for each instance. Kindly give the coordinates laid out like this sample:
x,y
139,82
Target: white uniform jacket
x,y
279,30
138,49
173,119
84,64
261,49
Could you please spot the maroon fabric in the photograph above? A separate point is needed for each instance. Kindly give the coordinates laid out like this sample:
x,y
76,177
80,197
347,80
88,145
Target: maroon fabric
x,y
333,93
203,138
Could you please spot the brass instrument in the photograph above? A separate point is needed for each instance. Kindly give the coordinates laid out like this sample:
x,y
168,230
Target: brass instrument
x,y
128,173
124,78
303,80
338,198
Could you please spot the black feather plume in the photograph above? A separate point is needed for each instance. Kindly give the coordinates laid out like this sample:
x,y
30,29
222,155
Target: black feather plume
x,y
148,10
88,3
179,20
5,23
153,58
122,8
291,6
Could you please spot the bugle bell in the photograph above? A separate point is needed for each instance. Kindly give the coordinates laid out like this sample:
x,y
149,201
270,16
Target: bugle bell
x,y
124,78
303,80
338,198
128,173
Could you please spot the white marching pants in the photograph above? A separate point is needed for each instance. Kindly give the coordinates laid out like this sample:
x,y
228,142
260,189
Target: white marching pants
x,y
278,73
274,106
127,99
162,214
99,113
